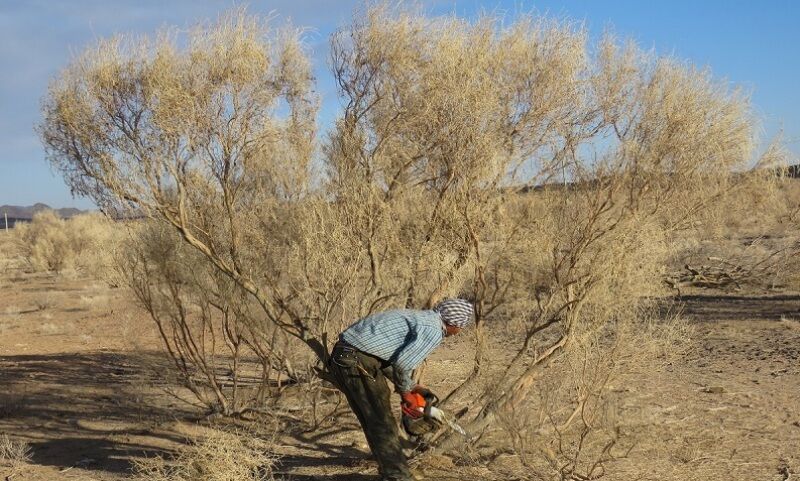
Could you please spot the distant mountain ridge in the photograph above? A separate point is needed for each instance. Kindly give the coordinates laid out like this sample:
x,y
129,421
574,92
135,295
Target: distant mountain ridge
x,y
26,212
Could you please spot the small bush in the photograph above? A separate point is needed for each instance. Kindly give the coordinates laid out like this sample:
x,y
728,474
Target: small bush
x,y
13,453
571,428
219,349
84,243
220,456
45,301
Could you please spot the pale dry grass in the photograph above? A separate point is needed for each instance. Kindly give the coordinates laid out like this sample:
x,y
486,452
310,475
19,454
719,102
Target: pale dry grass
x,y
46,300
92,301
217,456
10,258
58,328
14,453
791,323
11,318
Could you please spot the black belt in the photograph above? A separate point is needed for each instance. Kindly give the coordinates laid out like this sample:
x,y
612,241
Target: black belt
x,y
346,346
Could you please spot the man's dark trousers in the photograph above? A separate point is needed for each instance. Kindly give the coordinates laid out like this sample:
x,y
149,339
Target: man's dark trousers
x,y
361,379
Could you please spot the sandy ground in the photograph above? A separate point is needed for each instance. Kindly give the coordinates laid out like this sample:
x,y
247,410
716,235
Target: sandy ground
x,y
73,387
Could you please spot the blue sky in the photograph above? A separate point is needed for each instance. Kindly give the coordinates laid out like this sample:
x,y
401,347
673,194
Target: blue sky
x,y
751,44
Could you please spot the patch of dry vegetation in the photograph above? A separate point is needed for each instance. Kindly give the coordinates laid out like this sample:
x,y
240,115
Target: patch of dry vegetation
x,y
571,427
759,251
217,456
83,244
13,453
220,350
514,164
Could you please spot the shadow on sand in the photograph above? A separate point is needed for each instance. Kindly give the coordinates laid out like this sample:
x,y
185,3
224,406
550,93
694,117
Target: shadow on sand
x,y
732,307
82,410
90,411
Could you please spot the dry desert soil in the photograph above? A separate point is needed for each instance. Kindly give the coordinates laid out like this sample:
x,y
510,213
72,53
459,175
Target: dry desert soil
x,y
74,387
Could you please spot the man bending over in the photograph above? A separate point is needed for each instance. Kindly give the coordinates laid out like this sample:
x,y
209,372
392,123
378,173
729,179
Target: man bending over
x,y
393,344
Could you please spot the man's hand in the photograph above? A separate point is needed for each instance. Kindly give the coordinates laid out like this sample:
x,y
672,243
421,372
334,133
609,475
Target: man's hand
x,y
413,404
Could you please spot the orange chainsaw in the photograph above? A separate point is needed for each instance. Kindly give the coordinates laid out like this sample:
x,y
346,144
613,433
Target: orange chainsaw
x,y
432,417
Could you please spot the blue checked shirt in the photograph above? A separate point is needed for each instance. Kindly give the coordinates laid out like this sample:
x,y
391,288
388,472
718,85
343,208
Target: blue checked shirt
x,y
402,337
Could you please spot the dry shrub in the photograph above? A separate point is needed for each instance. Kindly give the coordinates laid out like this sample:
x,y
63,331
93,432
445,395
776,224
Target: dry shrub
x,y
571,427
10,259
14,453
759,263
219,349
218,456
510,163
84,243
44,242
731,251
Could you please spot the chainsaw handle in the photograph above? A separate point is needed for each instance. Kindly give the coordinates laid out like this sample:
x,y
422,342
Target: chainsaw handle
x,y
431,400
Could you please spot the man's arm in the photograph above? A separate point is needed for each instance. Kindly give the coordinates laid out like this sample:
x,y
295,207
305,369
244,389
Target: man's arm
x,y
411,355
403,380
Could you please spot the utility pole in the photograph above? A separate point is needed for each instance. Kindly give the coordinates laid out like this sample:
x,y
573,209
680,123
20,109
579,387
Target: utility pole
x,y
5,216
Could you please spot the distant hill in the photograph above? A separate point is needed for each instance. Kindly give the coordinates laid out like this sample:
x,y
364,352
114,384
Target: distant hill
x,y
26,212
17,213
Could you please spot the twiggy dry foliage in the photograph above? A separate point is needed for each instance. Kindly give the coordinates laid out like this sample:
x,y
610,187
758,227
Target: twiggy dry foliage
x,y
512,163
571,428
14,453
229,361
736,251
215,139
84,243
218,456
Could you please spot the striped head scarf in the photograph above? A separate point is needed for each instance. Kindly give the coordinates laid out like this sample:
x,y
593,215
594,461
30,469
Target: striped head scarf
x,y
456,312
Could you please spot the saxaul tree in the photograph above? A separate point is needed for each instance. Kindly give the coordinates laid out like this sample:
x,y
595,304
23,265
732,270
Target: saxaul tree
x,y
512,163
519,165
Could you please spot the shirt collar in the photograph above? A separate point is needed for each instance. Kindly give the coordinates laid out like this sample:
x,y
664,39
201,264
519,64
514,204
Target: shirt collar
x,y
444,326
